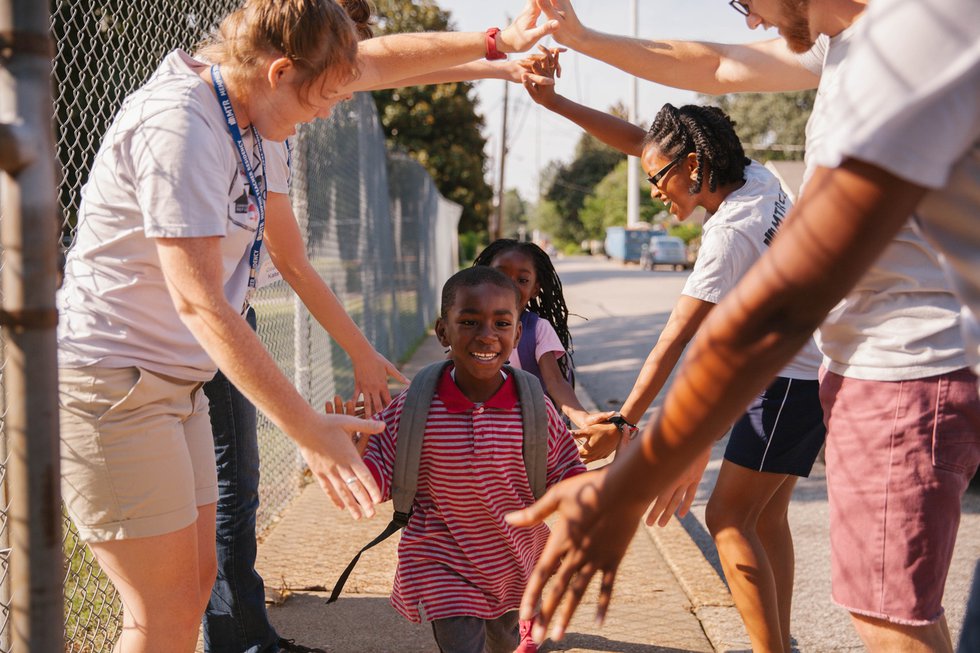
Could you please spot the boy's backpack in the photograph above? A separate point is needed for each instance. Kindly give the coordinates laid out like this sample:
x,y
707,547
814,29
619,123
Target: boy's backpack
x,y
408,448
527,348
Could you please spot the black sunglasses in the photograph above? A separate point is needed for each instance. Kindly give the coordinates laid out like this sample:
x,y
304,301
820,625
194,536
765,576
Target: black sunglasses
x,y
739,6
656,177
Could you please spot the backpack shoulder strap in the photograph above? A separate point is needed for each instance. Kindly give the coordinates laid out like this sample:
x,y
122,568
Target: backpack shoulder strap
x,y
534,415
411,432
527,346
408,453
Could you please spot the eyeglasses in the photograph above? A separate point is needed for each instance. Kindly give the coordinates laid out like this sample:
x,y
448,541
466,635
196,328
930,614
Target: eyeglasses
x,y
658,176
739,6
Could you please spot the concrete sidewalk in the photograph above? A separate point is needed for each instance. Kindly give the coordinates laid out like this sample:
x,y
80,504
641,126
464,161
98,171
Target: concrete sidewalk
x,y
303,555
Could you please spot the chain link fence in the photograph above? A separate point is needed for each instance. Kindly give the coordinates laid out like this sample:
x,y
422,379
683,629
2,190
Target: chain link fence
x,y
377,231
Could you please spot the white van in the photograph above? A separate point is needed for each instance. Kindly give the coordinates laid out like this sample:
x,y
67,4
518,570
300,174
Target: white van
x,y
664,250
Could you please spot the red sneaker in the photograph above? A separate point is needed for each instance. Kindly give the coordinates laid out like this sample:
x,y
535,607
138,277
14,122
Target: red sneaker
x,y
526,645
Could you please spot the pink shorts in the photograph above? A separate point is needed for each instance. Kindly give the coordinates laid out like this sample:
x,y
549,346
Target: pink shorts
x,y
899,458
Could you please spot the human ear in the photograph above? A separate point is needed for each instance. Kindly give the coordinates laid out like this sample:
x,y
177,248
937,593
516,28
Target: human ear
x,y
441,332
280,70
692,165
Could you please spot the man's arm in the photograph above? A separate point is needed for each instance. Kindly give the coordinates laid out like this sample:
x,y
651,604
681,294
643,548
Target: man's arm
x,y
827,243
193,273
288,253
712,68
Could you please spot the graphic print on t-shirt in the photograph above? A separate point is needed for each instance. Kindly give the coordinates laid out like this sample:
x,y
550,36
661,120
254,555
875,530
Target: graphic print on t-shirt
x,y
244,212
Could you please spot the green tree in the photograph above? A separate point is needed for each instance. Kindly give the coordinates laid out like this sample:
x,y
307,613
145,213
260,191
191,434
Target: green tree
x,y
606,205
515,214
438,125
770,125
569,184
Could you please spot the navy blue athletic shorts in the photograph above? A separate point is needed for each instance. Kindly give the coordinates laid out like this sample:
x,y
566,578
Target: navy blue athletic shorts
x,y
782,431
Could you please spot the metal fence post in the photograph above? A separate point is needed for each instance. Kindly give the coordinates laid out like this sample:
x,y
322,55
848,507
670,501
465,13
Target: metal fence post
x,y
29,237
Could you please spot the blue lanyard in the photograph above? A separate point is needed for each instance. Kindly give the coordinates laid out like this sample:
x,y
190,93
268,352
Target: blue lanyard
x,y
236,135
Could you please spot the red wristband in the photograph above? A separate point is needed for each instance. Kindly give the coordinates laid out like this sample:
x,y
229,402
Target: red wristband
x,y
493,53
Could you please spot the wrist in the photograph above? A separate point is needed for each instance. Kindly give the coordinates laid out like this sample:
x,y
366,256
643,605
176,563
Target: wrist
x,y
628,430
494,44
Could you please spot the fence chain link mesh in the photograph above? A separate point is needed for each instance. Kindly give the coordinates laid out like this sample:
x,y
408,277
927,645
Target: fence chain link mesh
x,y
377,231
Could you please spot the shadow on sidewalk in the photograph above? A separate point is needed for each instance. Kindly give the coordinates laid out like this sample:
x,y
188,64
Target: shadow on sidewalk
x,y
370,625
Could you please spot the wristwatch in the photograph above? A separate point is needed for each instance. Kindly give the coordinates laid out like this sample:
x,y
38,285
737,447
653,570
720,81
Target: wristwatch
x,y
625,427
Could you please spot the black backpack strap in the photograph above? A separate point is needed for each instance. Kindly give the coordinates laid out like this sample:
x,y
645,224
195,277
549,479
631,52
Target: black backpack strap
x,y
408,453
535,418
397,523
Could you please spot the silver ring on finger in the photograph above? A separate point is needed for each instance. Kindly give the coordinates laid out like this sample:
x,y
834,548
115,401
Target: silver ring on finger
x,y
351,480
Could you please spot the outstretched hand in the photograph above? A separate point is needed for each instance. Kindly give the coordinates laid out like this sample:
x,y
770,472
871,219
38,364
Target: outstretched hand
x,y
539,80
597,438
371,375
593,527
525,31
569,28
681,495
337,466
340,407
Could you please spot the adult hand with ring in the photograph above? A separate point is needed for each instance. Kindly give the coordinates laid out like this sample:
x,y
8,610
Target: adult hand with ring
x,y
340,407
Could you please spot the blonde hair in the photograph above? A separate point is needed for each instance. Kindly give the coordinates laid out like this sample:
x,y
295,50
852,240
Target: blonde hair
x,y
315,35
359,12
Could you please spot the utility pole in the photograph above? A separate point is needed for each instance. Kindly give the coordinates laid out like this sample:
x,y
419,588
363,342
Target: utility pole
x,y
29,236
497,220
633,163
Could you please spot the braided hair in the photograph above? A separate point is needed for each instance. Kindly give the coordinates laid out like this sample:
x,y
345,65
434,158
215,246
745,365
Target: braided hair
x,y
550,301
706,131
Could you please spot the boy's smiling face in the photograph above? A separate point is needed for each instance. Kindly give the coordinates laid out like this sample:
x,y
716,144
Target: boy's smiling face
x,y
481,328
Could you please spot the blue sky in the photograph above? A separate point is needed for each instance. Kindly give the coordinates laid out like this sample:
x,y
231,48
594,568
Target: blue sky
x,y
535,135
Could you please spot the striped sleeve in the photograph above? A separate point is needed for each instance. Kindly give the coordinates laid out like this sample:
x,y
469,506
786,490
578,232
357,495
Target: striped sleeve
x,y
563,460
379,457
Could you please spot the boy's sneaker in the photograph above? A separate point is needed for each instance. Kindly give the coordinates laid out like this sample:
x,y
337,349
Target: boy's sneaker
x,y
526,645
291,645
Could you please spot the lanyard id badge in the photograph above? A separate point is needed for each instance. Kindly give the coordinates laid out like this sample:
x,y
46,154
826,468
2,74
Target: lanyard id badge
x,y
260,193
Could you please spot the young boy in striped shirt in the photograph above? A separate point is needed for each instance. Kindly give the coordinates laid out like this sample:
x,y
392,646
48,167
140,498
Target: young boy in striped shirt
x,y
460,565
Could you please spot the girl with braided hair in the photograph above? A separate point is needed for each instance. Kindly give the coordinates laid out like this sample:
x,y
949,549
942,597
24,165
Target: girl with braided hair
x,y
546,344
693,158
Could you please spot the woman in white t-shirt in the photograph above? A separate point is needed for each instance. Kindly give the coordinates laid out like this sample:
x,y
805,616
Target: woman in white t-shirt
x,y
188,183
693,159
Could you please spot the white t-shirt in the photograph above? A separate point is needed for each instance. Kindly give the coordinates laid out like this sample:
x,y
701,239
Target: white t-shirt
x,y
167,168
909,103
545,340
901,320
734,238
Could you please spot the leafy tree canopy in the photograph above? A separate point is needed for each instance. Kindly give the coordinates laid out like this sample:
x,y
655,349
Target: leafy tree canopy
x,y
606,205
568,184
770,125
515,214
438,125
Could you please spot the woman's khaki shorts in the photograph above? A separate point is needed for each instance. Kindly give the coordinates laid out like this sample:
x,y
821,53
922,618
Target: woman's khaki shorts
x,y
137,455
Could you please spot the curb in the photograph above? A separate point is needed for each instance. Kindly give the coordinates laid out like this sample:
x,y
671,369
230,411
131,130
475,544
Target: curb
x,y
710,599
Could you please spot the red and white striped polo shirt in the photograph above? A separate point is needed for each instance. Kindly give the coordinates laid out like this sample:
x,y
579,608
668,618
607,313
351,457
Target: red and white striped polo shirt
x,y
457,555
